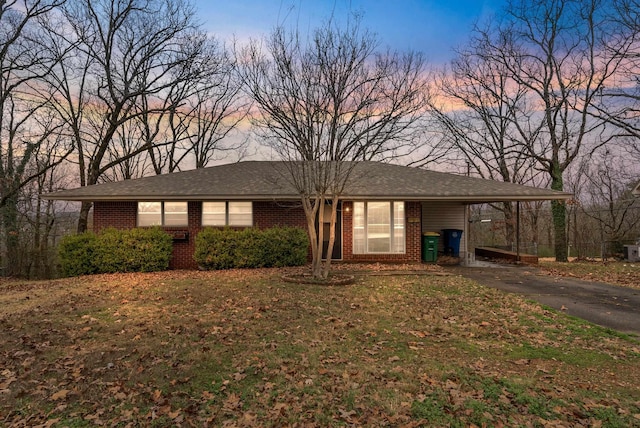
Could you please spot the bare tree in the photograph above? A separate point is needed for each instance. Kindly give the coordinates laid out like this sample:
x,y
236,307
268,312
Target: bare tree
x,y
478,104
40,223
123,153
121,55
326,103
26,125
557,51
620,103
205,111
609,200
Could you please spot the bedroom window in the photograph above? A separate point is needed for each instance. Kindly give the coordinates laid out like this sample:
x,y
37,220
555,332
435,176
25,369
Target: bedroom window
x,y
162,214
230,213
378,227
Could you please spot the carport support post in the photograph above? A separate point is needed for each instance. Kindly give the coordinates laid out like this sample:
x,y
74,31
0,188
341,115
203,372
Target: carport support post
x,y
518,231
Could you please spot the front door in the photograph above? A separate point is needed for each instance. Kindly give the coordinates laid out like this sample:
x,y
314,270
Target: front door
x,y
326,226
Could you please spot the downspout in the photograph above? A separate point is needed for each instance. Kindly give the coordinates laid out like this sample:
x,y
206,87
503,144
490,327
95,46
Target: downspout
x,y
518,232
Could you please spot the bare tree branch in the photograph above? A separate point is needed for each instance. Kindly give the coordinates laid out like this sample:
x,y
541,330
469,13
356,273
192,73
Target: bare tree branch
x,y
326,102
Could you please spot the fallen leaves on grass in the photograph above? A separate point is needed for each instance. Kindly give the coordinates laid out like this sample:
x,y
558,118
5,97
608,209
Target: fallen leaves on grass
x,y
242,348
611,272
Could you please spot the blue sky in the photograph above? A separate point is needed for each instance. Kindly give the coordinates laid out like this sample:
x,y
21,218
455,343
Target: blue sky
x,y
433,27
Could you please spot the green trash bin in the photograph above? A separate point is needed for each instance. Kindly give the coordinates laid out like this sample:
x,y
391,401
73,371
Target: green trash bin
x,y
430,246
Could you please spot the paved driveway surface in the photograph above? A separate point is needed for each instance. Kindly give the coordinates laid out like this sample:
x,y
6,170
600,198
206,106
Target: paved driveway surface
x,y
603,304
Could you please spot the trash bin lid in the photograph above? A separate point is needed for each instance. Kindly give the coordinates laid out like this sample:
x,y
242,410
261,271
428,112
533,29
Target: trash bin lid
x,y
431,234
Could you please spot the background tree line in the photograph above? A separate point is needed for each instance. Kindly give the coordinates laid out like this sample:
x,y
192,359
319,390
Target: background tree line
x,y
98,90
545,94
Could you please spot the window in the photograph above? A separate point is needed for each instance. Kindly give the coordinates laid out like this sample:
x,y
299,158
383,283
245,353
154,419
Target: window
x,y
230,213
175,214
240,214
214,213
378,227
162,214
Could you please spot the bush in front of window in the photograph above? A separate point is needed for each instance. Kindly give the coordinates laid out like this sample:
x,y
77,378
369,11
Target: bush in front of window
x,y
76,254
285,246
215,248
250,248
114,250
133,250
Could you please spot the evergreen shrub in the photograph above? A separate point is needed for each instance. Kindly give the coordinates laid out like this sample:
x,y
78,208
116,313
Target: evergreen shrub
x,y
76,254
251,248
115,250
133,250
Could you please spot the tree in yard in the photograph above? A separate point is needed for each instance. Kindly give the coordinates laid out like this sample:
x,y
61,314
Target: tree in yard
x,y
620,104
120,59
474,114
27,126
39,223
557,52
327,102
205,111
608,198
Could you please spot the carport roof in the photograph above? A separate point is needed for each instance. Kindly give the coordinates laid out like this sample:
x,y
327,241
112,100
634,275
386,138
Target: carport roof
x,y
269,180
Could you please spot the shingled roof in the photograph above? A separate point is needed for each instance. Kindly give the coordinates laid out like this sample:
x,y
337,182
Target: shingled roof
x,y
266,180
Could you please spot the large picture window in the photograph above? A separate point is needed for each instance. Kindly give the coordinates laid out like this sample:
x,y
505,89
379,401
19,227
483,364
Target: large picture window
x,y
231,213
162,214
378,227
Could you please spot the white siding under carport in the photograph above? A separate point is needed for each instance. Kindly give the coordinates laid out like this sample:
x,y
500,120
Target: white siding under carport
x,y
446,215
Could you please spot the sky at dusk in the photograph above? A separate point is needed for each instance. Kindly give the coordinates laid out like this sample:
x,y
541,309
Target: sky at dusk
x,y
433,27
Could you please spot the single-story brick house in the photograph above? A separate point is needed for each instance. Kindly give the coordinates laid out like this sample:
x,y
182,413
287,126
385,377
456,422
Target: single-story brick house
x,y
383,213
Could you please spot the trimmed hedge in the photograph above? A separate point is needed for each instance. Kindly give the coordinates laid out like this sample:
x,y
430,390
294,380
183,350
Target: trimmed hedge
x,y
76,254
115,250
251,248
133,250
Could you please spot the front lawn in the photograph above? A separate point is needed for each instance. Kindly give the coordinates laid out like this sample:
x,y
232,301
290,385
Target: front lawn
x,y
612,272
244,348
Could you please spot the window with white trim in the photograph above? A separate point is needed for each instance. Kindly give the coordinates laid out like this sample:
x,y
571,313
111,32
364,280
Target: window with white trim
x,y
229,213
162,214
378,227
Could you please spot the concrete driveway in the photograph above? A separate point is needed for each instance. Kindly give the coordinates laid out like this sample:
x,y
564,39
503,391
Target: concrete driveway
x,y
610,306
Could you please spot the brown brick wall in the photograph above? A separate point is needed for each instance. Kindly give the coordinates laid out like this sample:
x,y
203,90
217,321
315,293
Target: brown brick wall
x,y
183,249
122,215
270,214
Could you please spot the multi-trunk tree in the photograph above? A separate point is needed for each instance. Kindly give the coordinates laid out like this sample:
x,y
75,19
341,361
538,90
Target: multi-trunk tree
x,y
325,102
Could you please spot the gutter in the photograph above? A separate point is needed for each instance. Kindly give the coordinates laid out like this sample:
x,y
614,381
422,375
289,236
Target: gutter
x,y
559,196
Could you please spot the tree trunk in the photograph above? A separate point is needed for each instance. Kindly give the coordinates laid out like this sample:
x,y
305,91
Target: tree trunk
x,y
509,223
11,236
311,213
317,224
559,215
332,237
83,220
